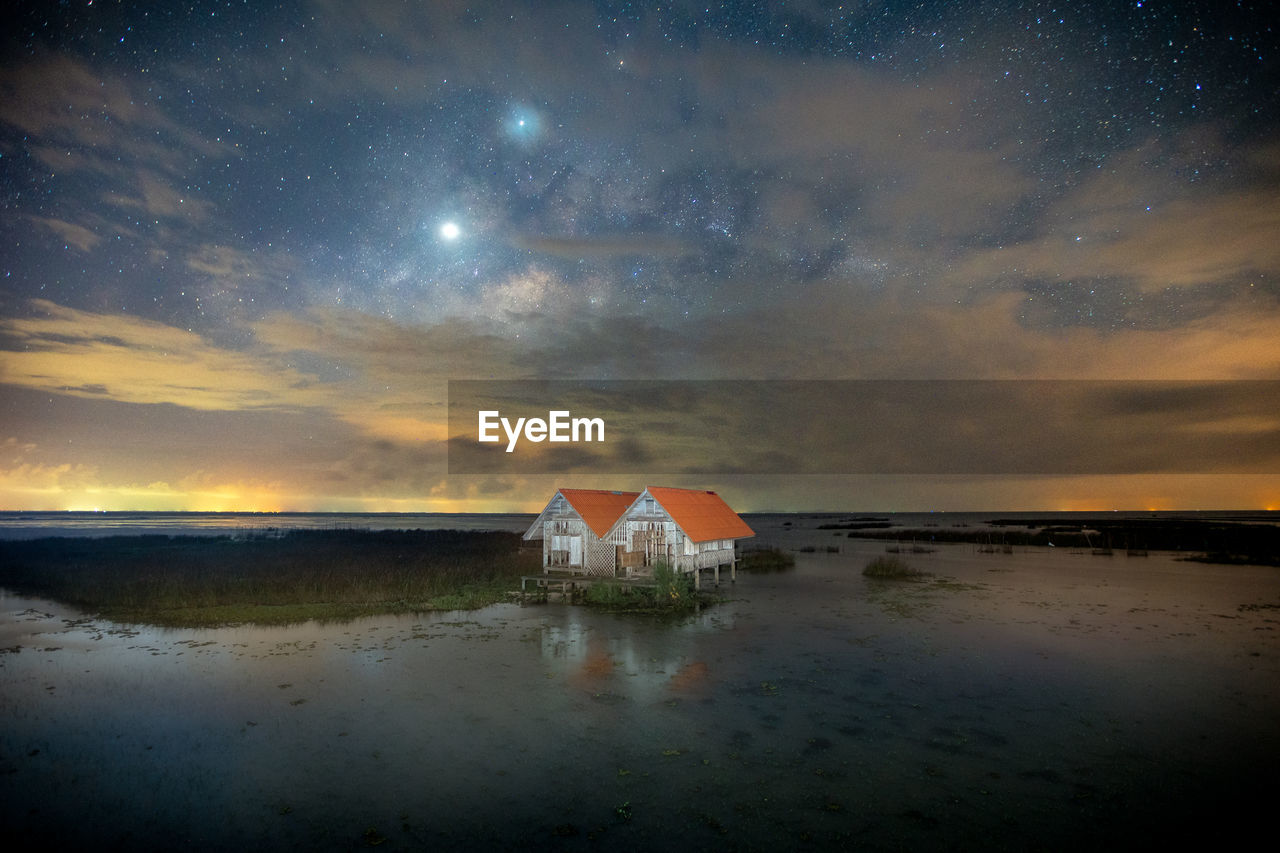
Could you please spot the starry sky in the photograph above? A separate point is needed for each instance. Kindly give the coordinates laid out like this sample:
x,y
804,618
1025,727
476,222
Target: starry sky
x,y
245,246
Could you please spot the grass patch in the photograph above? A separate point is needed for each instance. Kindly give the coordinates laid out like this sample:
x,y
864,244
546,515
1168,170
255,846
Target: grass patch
x,y
671,592
766,560
613,596
1250,540
203,581
889,567
673,588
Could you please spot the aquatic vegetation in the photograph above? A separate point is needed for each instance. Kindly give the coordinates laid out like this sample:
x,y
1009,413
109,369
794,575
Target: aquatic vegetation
x,y
892,568
766,560
671,584
1200,539
670,592
194,581
608,595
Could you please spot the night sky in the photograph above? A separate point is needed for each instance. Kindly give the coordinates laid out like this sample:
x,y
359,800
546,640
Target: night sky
x,y
244,246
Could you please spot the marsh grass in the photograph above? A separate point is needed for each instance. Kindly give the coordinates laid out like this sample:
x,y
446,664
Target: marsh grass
x,y
612,596
1207,540
672,592
195,581
762,560
891,568
672,587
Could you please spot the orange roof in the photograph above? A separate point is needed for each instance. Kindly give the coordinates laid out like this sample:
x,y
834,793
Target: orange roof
x,y
702,515
599,508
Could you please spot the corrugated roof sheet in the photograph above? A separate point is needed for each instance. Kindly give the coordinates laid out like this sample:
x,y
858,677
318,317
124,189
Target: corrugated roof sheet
x,y
599,508
702,515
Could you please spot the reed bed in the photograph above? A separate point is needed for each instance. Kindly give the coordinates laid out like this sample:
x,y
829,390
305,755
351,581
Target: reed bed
x,y
889,567
1207,540
290,577
766,560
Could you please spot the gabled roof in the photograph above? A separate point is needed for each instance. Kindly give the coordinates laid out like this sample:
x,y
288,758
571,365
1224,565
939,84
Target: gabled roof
x,y
702,515
599,508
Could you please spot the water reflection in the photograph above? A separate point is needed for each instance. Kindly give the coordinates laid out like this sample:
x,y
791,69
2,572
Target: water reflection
x,y
628,657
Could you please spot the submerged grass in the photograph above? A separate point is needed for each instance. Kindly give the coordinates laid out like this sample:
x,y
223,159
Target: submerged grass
x,y
199,581
766,560
891,568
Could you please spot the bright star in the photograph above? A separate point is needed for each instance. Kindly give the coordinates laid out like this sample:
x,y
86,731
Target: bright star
x,y
450,231
523,125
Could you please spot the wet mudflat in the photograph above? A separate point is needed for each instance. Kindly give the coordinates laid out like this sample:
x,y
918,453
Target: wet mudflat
x,y
1036,700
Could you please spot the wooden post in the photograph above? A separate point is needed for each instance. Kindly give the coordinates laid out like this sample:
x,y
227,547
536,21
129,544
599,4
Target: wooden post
x,y
717,575
733,569
697,579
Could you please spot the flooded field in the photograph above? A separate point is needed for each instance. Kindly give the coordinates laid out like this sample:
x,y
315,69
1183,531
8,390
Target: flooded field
x,y
1043,699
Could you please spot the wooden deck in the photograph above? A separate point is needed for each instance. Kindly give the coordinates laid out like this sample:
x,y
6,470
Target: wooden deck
x,y
568,584
564,582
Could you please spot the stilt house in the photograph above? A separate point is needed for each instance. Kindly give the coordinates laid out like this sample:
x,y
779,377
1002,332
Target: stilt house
x,y
689,529
625,534
573,527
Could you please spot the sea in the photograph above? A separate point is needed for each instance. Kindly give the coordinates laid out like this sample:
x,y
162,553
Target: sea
x,y
34,525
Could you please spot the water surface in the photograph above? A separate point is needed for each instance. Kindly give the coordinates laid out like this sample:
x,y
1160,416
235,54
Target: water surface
x,y
1044,699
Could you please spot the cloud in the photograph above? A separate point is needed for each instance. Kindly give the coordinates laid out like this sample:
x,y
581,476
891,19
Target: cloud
x,y
370,436
23,476
1140,222
66,351
58,98
76,236
153,194
121,162
385,388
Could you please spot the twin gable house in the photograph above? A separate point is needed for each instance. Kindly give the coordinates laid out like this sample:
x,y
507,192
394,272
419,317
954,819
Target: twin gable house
x,y
625,534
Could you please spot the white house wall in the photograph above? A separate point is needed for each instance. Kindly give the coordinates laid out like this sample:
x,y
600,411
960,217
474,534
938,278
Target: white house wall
x,y
568,543
686,554
564,540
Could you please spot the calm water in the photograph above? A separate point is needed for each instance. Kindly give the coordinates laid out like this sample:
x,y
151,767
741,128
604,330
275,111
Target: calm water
x,y
28,525
1039,700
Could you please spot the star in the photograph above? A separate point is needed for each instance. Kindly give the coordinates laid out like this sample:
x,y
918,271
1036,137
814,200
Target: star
x,y
524,125
450,231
